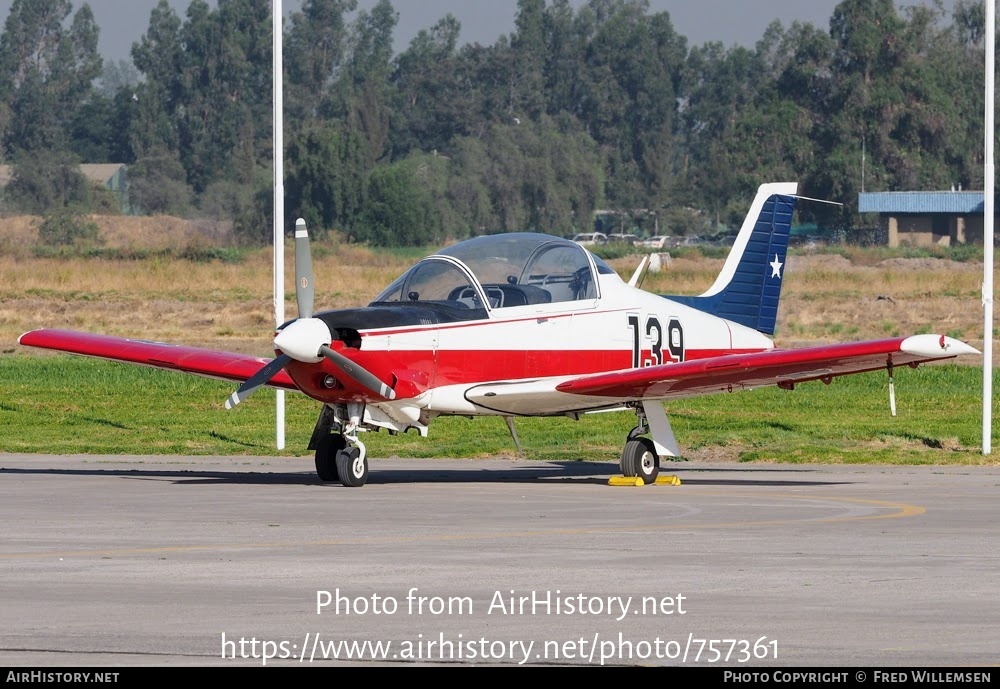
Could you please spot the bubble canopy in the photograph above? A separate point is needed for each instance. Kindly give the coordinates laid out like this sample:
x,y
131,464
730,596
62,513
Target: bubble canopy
x,y
507,270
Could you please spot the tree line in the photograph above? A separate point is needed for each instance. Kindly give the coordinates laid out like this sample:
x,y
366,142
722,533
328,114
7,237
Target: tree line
x,y
600,106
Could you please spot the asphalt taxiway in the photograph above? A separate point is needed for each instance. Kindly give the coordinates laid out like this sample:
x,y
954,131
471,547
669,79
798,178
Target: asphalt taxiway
x,y
175,561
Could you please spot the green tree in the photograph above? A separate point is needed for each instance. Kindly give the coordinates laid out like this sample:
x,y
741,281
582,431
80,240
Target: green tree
x,y
943,131
116,76
326,173
719,85
894,99
149,112
253,222
226,90
429,106
969,22
959,55
527,83
46,71
207,93
47,180
91,130
371,44
314,53
158,185
870,49
365,99
528,176
633,66
761,124
400,210
565,53
65,227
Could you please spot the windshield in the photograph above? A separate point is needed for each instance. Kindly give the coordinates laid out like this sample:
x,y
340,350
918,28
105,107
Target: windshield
x,y
429,280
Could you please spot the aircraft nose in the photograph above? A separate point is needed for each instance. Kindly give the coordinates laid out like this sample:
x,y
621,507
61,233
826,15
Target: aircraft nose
x,y
302,339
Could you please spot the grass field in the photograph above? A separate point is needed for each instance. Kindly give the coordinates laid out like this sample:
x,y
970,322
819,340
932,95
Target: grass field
x,y
62,404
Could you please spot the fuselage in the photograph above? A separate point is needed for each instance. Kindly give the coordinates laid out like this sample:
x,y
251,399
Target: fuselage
x,y
431,337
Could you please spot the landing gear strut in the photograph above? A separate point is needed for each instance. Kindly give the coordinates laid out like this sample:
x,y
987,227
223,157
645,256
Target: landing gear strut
x,y
641,456
340,456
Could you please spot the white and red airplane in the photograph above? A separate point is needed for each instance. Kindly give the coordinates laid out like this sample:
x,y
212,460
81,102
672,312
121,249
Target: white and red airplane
x,y
526,324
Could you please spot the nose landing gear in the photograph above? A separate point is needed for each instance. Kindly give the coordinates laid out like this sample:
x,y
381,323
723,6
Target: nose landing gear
x,y
352,465
339,458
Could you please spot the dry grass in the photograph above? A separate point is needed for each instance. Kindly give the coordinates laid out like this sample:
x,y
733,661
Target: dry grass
x,y
826,298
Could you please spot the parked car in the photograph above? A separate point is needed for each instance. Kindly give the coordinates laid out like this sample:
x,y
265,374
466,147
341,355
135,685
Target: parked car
x,y
622,238
689,240
590,238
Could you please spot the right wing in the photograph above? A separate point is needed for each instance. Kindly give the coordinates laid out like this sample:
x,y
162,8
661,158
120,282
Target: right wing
x,y
782,367
202,362
726,373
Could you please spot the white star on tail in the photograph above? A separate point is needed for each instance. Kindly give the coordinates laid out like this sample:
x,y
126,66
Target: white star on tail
x,y
776,267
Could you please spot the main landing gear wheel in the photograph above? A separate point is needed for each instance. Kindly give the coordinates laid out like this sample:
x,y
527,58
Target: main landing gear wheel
x,y
326,452
639,458
352,466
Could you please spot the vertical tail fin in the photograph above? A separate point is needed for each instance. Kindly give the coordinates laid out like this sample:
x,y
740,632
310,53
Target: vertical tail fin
x,y
748,288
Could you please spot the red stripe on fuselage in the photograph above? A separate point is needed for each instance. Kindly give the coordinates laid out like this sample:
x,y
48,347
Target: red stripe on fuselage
x,y
453,367
475,366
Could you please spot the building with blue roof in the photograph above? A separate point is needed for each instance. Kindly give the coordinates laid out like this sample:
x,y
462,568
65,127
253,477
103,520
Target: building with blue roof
x,y
926,218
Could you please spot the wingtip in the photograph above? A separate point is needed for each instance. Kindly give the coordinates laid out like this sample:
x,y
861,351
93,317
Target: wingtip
x,y
232,400
24,335
936,346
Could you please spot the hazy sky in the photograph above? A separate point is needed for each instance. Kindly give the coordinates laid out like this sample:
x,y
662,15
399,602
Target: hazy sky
x,y
742,22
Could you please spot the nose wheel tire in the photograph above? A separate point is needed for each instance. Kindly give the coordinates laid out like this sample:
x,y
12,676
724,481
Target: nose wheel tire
x,y
639,459
352,466
326,454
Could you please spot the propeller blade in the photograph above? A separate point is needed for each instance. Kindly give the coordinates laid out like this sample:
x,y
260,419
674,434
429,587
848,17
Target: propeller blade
x,y
304,290
292,335
257,380
357,373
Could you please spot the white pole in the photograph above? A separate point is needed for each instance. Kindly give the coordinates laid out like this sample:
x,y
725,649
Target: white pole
x,y
279,206
988,233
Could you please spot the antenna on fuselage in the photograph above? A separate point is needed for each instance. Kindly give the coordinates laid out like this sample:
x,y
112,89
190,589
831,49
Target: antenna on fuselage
x,y
639,273
808,198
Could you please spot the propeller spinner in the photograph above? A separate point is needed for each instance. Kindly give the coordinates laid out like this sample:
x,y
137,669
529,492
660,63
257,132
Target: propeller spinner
x,y
307,339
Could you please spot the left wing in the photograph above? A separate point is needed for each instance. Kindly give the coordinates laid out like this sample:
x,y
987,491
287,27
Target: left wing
x,y
203,362
773,367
